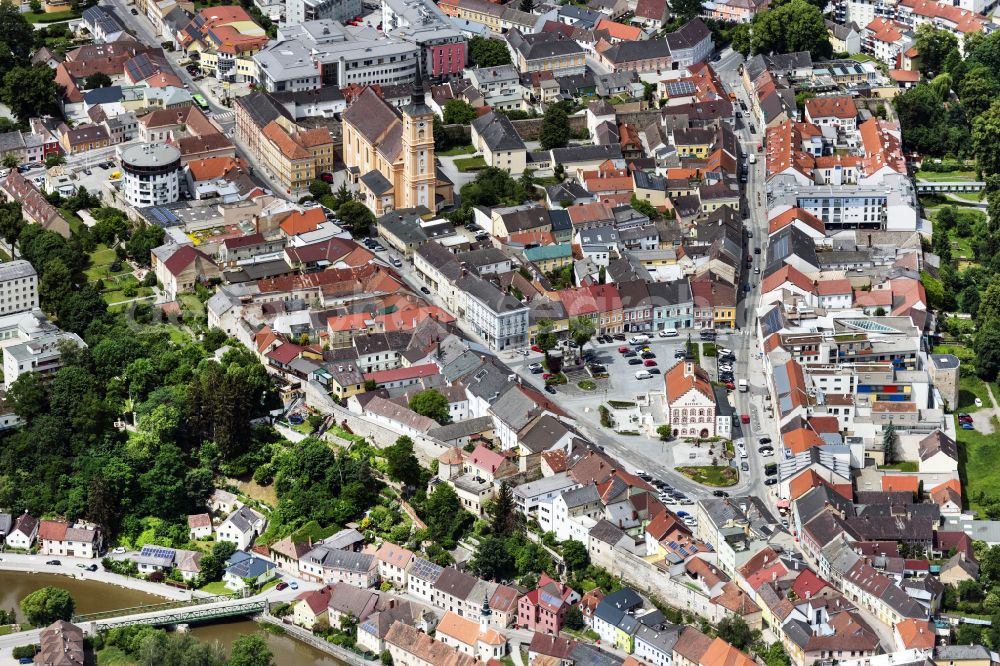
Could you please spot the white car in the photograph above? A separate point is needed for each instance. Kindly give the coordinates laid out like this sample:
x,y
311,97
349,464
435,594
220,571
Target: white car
x,y
979,402
119,551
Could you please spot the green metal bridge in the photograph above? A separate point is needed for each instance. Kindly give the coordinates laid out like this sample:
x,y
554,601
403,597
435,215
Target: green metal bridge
x,y
200,609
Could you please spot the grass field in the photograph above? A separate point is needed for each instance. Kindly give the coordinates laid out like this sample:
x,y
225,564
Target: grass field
x,y
719,476
945,175
979,464
861,57
470,164
971,387
100,260
457,150
51,17
905,466
75,223
191,304
218,587
968,196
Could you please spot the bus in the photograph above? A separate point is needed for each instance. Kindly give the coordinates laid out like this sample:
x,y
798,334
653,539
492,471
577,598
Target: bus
x,y
200,101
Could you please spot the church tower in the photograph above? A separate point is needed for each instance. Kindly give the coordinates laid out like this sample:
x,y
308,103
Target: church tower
x,y
418,151
486,614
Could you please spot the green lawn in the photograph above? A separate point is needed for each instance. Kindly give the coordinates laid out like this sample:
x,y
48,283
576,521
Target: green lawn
x,y
190,303
218,587
979,464
112,656
719,476
968,196
75,223
708,350
470,164
100,260
457,150
971,387
52,17
945,175
905,466
861,57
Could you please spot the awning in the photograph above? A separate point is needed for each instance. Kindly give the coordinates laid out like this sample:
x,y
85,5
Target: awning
x,y
782,504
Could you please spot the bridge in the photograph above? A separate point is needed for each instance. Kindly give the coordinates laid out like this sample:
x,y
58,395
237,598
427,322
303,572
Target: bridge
x,y
179,612
946,186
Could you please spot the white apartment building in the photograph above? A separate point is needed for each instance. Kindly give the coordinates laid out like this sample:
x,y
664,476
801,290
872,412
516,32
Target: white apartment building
x,y
18,287
42,355
498,317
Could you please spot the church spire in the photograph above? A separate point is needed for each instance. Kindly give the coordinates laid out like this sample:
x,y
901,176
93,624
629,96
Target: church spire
x,y
417,105
486,613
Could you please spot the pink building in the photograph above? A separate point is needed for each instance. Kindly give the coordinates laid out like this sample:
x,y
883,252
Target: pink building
x,y
446,60
544,608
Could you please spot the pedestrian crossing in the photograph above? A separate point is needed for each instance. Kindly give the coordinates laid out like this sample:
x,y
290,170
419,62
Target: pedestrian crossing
x,y
224,116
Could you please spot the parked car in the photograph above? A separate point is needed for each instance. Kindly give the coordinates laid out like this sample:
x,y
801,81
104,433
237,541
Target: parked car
x,y
764,440
535,367
730,386
92,568
635,361
979,402
744,466
682,514
536,348
54,563
770,481
648,355
623,350
549,388
119,550
548,375
294,585
653,371
281,586
649,363
425,290
720,493
619,336
744,418
629,354
967,426
326,177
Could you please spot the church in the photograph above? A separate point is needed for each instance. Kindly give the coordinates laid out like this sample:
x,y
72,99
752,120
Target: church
x,y
392,156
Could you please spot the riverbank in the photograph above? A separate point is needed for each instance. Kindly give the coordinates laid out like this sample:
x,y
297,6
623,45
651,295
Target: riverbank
x,y
307,637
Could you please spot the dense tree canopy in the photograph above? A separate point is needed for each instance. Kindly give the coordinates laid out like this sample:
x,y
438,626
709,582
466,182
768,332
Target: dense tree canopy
x,y
432,404
935,46
458,112
555,128
488,52
792,26
45,606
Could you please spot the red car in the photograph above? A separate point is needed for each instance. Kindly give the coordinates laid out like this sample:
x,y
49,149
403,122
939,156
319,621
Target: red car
x,y
326,177
536,348
622,350
745,418
730,386
649,363
548,375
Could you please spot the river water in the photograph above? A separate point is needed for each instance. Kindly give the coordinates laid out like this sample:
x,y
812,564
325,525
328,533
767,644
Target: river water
x,y
92,597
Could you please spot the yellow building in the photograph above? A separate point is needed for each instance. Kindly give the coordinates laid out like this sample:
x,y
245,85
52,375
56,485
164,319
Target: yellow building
x,y
294,156
550,258
393,155
693,141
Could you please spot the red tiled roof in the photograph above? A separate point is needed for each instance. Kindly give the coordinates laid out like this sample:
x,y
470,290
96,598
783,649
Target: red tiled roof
x,y
397,374
183,258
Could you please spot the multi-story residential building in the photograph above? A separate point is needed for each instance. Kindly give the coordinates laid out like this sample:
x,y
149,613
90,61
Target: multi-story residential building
x,y
225,38
57,537
544,609
672,303
393,153
325,53
495,137
495,315
42,355
300,11
420,22
546,52
18,287
328,565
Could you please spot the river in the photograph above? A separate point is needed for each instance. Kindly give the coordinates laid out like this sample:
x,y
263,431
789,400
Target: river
x,y
92,597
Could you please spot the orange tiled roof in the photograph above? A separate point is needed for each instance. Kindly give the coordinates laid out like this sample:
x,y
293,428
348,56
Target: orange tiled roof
x,y
685,377
900,483
626,33
299,223
211,168
790,216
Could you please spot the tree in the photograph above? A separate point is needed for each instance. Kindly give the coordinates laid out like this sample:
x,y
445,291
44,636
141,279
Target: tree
x,y
458,112
401,462
214,564
735,631
142,243
740,39
575,555
10,160
987,348
17,38
97,80
356,216
503,512
986,140
645,208
485,52
30,91
527,6
545,338
432,404
686,9
35,6
386,658
555,128
444,515
54,159
319,189
665,432
889,444
934,46
45,606
775,655
574,618
978,89
795,25
251,650
342,196
493,560
581,329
